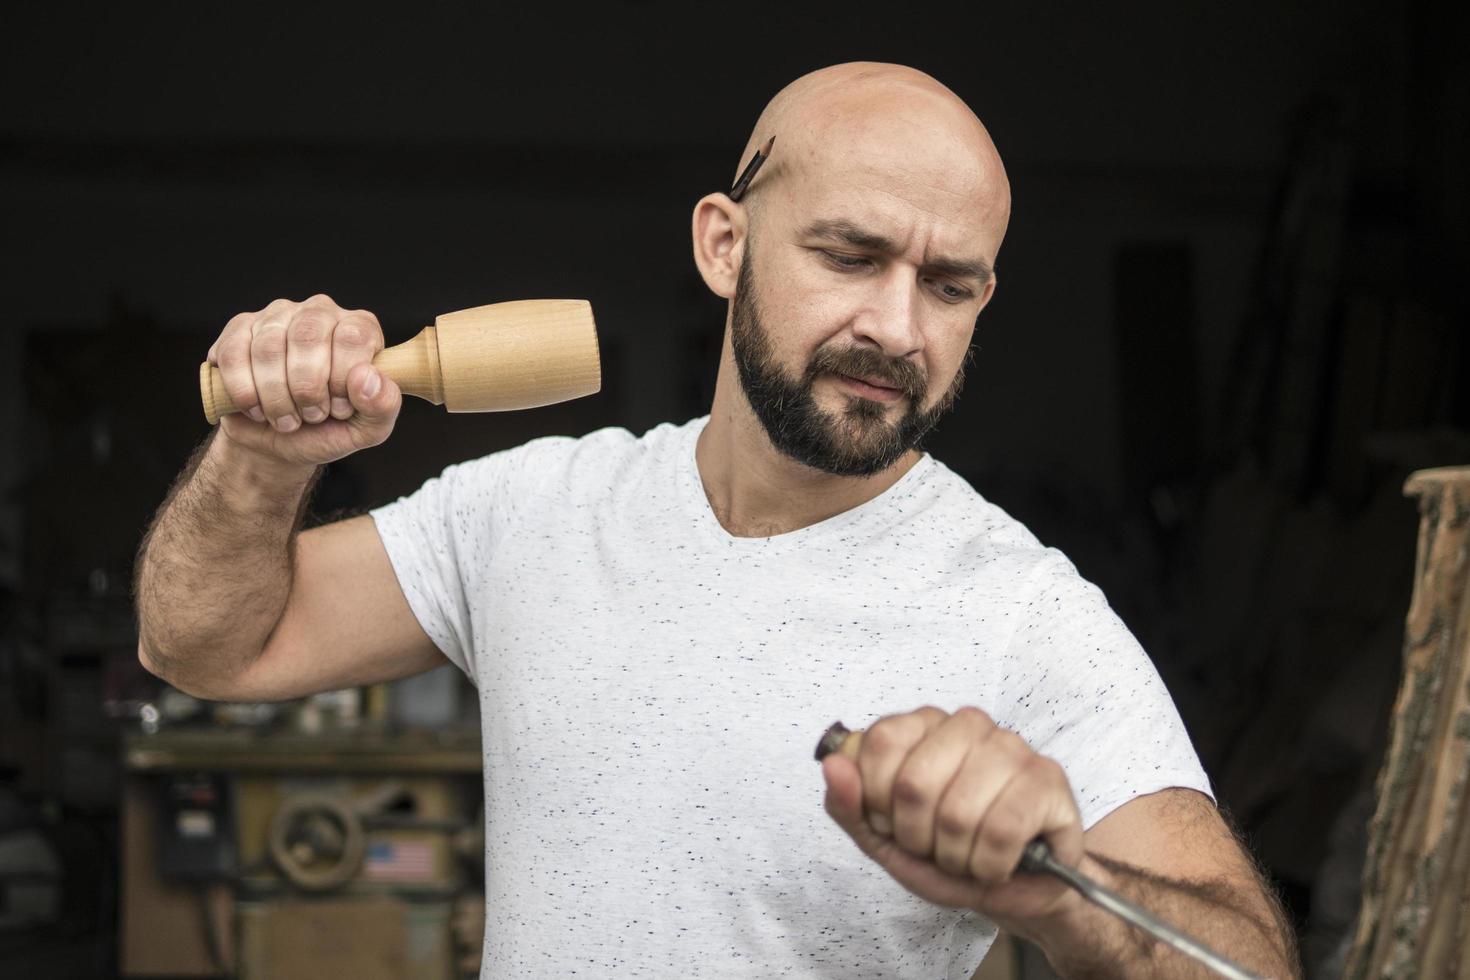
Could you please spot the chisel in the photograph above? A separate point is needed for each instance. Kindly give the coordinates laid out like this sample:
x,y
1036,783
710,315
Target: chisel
x,y
1037,858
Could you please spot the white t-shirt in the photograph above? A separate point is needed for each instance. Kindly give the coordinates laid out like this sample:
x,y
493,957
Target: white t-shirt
x,y
652,689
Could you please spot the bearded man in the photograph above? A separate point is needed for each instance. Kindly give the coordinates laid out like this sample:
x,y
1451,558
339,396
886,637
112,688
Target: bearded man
x,y
658,625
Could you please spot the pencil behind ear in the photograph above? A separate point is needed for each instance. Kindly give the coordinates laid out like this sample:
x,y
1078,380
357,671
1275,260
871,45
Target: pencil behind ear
x,y
737,191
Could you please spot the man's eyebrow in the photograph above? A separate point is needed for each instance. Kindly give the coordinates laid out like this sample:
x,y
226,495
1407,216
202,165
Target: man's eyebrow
x,y
842,230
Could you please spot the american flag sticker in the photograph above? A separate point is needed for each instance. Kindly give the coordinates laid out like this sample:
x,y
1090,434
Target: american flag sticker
x,y
399,860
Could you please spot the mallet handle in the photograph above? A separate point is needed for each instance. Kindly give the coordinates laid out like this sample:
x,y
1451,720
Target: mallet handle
x,y
503,357
413,365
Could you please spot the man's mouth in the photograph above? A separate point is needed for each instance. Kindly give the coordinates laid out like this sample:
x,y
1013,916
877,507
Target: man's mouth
x,y
871,388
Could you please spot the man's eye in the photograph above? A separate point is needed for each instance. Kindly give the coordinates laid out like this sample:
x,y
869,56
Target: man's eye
x,y
845,261
951,292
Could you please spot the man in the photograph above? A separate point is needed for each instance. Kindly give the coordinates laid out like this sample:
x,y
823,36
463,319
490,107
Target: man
x,y
658,626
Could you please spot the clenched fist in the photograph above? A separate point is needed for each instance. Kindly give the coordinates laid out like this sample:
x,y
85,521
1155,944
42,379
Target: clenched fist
x,y
946,803
301,376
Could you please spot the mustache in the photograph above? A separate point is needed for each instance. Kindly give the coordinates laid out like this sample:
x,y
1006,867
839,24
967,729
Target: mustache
x,y
864,362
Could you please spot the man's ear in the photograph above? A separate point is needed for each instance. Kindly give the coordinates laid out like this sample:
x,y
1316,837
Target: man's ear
x,y
988,294
719,229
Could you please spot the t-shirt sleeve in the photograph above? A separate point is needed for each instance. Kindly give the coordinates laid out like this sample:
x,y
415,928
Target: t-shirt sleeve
x,y
1083,692
434,538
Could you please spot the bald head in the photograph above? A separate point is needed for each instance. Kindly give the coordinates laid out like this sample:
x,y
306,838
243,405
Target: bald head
x,y
856,266
879,129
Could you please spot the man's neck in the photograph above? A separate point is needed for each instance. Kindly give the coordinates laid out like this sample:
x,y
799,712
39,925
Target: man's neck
x,y
757,491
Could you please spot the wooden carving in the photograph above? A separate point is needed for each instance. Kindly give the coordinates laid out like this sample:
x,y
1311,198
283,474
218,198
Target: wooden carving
x,y
1415,916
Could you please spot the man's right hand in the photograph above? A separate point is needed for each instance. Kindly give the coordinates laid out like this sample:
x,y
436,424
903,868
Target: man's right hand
x,y
302,378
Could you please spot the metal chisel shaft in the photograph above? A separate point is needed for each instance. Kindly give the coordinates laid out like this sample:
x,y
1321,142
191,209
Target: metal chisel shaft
x,y
1037,858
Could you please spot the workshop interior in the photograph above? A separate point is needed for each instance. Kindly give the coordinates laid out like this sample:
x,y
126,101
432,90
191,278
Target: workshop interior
x,y
1230,327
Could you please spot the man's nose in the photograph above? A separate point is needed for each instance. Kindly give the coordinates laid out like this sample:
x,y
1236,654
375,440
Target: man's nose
x,y
890,316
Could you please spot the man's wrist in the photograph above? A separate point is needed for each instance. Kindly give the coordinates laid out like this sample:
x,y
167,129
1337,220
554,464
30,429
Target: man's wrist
x,y
1075,932
252,481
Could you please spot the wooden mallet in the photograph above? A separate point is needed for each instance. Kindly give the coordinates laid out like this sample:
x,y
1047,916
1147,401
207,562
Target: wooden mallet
x,y
496,358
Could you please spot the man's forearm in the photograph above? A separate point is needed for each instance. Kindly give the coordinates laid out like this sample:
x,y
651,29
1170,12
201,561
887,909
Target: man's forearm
x,y
1241,923
214,570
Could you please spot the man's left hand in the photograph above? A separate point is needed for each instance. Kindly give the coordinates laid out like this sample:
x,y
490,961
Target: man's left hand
x,y
946,803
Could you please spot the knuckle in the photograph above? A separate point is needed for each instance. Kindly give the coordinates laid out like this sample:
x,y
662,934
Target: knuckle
x,y
353,332
883,736
950,863
240,321
910,787
986,866
1046,770
277,408
274,402
952,821
974,716
320,299
268,346
270,385
232,352
305,391
308,328
242,393
1003,826
1009,742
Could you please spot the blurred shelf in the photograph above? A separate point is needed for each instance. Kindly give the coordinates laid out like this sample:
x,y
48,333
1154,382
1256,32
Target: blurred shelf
x,y
248,751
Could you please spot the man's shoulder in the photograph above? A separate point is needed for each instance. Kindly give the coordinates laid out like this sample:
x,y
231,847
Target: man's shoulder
x,y
974,524
600,455
611,447
986,539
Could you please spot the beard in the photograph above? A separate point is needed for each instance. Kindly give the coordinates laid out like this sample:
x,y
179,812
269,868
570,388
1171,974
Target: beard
x,y
857,441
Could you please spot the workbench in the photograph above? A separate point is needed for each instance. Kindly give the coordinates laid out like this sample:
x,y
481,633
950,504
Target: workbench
x,y
203,894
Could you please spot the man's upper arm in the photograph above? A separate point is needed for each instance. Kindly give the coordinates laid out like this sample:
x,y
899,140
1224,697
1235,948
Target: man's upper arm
x,y
346,621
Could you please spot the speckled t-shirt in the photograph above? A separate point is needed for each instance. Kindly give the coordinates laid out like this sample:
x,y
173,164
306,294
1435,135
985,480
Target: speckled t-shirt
x,y
651,690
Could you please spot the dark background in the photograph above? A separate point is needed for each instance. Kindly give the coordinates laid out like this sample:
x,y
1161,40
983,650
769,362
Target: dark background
x,y
1230,316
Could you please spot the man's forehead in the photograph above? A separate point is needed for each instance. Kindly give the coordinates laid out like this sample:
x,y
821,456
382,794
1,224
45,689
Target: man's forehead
x,y
888,148
940,219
